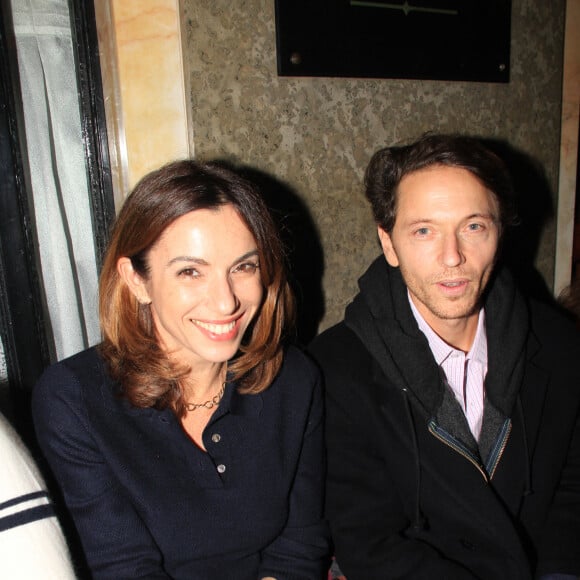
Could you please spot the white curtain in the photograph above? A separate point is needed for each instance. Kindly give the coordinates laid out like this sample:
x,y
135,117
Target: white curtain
x,y
56,157
3,369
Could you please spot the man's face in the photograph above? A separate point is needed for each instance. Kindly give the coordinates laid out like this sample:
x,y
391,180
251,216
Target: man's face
x,y
444,241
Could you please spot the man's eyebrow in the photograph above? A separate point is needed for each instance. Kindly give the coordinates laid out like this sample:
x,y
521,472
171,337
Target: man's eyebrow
x,y
485,215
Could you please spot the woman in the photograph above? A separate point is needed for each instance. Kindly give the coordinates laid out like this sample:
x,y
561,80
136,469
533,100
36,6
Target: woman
x,y
189,443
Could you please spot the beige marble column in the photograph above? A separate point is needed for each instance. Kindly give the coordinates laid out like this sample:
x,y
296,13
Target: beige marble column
x,y
568,147
143,77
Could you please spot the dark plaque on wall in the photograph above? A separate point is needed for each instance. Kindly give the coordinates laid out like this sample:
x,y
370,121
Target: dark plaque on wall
x,y
466,40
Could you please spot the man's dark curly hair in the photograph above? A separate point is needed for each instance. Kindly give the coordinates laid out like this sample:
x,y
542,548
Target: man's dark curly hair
x,y
390,165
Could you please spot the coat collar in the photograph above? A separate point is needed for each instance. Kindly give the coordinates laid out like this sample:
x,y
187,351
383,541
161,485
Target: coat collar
x,y
381,317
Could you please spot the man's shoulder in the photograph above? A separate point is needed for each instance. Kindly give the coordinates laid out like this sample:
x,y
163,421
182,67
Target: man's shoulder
x,y
553,329
335,337
339,348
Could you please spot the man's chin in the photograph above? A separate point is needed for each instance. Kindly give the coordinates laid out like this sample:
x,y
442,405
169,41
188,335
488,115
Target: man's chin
x,y
456,310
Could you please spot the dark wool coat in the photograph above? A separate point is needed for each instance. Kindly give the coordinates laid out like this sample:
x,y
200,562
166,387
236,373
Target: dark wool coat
x,y
148,503
410,493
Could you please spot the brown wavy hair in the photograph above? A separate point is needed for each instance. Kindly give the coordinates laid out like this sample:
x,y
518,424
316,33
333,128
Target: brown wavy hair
x,y
130,347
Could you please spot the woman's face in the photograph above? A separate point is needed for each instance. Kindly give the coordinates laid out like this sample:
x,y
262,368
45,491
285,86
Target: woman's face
x,y
204,285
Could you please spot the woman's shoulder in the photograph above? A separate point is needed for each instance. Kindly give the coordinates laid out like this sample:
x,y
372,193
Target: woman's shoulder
x,y
295,392
298,380
75,394
71,376
86,365
298,363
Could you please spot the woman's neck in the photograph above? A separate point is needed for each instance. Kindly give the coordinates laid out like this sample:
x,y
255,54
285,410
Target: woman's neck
x,y
203,383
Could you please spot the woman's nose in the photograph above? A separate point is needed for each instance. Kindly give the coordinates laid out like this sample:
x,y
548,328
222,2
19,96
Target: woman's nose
x,y
223,296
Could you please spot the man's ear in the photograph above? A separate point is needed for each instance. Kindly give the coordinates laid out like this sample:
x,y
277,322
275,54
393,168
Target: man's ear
x,y
388,249
133,279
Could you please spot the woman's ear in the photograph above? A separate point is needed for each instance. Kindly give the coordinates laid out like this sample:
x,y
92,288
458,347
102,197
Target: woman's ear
x,y
133,279
388,248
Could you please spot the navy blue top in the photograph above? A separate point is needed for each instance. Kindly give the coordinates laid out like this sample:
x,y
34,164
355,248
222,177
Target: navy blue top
x,y
148,503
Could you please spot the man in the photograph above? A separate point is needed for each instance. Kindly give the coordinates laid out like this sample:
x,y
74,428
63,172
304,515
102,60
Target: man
x,y
453,402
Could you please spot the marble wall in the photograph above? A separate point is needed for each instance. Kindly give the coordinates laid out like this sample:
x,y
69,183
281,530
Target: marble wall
x,y
144,85
312,137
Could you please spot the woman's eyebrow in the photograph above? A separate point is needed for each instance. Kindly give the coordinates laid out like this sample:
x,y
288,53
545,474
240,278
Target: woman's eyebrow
x,y
250,254
202,262
188,259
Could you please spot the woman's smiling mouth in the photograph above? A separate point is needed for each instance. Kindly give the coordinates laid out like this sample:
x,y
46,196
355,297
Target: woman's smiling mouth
x,y
216,330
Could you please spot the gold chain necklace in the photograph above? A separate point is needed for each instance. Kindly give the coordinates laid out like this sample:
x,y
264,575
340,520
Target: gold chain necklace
x,y
209,404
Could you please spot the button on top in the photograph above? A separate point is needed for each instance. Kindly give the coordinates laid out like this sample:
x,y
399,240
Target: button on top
x,y
216,437
221,468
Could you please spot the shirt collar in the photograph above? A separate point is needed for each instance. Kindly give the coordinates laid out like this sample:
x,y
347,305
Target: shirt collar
x,y
238,404
441,350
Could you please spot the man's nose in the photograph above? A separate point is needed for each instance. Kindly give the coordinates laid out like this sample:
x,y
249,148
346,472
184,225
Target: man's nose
x,y
451,251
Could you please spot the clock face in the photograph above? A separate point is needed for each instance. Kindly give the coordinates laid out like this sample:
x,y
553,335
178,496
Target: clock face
x,y
422,39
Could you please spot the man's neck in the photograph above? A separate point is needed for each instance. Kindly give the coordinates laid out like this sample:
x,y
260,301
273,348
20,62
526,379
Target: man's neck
x,y
458,333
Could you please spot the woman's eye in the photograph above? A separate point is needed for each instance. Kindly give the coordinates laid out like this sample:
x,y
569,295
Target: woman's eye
x,y
246,267
188,273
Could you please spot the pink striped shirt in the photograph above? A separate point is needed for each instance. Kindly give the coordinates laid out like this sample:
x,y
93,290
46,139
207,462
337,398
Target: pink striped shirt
x,y
465,373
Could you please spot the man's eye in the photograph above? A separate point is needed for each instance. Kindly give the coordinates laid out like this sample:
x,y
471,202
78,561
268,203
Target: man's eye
x,y
422,231
475,227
